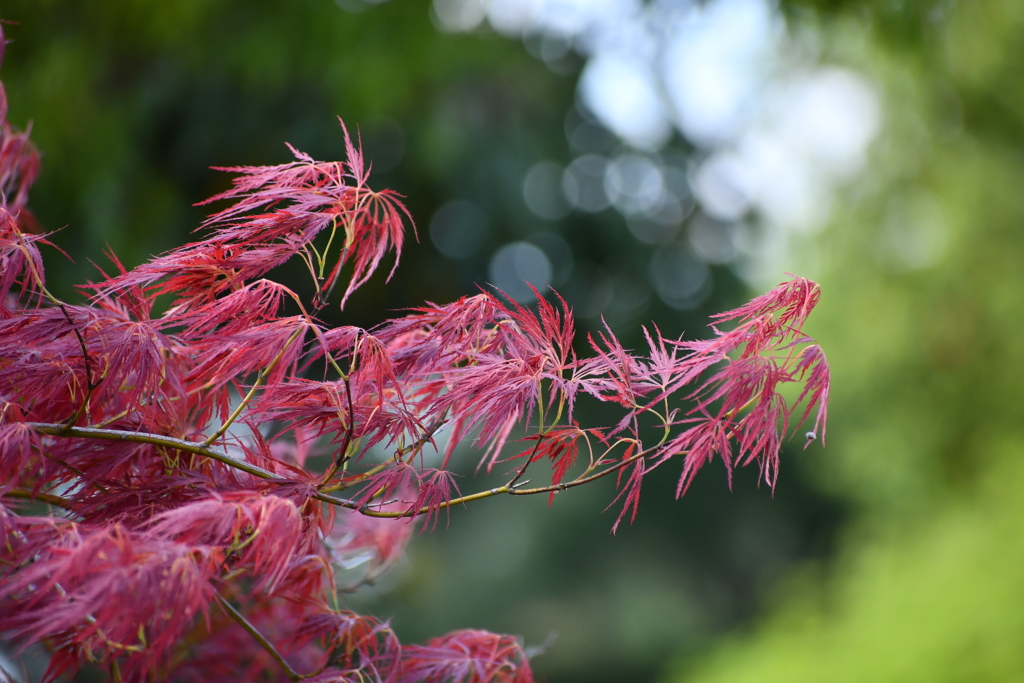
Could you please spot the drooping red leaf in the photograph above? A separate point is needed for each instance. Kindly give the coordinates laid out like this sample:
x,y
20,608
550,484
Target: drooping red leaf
x,y
436,487
357,647
358,538
467,656
267,533
631,491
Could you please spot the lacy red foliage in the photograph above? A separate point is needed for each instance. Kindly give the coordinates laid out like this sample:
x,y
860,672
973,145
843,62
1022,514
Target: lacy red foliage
x,y
182,491
466,657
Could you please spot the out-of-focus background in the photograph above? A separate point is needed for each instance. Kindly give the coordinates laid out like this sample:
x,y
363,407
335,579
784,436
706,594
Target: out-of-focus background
x,y
659,160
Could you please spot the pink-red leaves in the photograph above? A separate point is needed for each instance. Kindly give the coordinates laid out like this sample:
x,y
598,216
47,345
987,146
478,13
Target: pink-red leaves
x,y
19,159
561,446
467,657
435,492
277,214
356,647
814,367
19,447
225,357
700,443
265,532
21,263
315,195
107,593
357,538
631,489
742,402
390,485
790,303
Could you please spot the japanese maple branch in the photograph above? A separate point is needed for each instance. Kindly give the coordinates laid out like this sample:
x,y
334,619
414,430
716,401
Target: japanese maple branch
x,y
511,489
48,498
529,459
540,437
152,439
198,449
60,430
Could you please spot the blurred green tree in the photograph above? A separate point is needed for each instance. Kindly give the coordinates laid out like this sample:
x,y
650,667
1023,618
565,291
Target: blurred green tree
x,y
923,270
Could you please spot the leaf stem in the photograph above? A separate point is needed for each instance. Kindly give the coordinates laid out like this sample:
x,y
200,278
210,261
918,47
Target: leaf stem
x,y
260,379
343,455
230,610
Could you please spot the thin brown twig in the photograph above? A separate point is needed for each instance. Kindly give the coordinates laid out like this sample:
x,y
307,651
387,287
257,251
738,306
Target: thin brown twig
x,y
199,449
260,379
413,448
343,456
529,460
48,498
237,616
89,386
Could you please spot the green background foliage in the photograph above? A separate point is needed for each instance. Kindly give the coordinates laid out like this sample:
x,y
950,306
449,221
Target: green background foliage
x,y
926,440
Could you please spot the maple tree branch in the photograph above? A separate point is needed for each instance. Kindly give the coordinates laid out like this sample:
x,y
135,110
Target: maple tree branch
x,y
529,460
512,490
48,498
260,379
220,456
240,619
181,445
583,480
152,439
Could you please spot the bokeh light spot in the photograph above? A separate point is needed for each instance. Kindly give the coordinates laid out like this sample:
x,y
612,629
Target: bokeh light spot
x,y
518,265
542,191
458,229
680,279
583,183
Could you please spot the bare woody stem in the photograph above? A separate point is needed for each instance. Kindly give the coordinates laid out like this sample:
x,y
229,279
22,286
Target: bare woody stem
x,y
510,488
153,439
343,454
47,498
60,430
529,460
229,609
260,379
90,386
